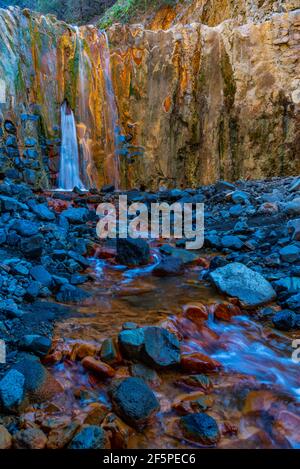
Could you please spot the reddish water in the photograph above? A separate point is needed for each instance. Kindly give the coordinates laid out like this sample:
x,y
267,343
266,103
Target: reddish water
x,y
255,398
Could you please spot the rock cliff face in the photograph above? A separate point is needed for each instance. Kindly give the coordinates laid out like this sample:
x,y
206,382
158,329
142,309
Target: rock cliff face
x,y
203,92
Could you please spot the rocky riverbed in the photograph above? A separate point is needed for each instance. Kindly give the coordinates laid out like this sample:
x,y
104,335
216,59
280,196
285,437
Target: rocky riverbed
x,y
146,344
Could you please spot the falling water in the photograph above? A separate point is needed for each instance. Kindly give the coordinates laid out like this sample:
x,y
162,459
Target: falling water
x,y
113,130
69,176
84,137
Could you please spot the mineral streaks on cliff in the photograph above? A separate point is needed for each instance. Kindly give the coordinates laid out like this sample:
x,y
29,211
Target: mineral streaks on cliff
x,y
196,102
208,102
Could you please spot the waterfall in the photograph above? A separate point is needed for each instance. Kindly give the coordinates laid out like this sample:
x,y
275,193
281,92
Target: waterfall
x,y
69,176
113,130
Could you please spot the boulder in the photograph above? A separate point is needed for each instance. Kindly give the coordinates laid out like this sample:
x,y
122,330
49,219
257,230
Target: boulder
x,y
131,343
293,227
32,247
76,215
231,242
10,204
41,275
12,391
89,437
43,212
37,344
134,401
200,427
292,208
70,294
161,348
284,320
290,253
30,438
26,228
133,252
5,438
169,267
237,280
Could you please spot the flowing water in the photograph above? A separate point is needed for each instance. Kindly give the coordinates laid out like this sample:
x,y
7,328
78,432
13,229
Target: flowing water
x,y
255,397
69,174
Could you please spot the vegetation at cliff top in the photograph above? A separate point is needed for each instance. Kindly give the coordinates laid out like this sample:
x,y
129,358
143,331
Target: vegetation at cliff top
x,y
71,11
125,10
105,12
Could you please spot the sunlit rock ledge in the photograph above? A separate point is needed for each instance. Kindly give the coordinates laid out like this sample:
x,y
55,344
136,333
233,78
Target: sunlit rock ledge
x,y
195,103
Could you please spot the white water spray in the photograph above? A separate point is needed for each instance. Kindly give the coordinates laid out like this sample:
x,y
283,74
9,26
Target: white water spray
x,y
69,176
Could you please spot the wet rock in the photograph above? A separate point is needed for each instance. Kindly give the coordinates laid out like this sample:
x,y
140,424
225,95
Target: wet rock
x,y
131,343
76,215
134,401
200,381
201,428
107,188
89,437
198,363
39,383
9,204
5,438
60,437
43,212
109,352
119,432
169,267
36,344
12,391
32,247
292,208
138,370
161,348
99,368
71,294
26,228
293,302
31,438
294,228
284,320
133,251
221,186
186,256
231,242
217,262
10,309
295,186
237,280
290,253
41,275
240,197
287,285
33,291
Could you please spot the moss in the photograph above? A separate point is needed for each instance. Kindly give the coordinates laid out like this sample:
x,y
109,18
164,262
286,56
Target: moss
x,y
124,10
229,83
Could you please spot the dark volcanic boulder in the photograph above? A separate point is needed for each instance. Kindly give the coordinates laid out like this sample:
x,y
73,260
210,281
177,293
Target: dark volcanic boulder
x,y
201,428
133,251
26,228
284,320
32,247
40,274
168,267
70,294
134,401
30,438
161,348
131,343
237,280
76,215
37,344
43,212
89,437
12,391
